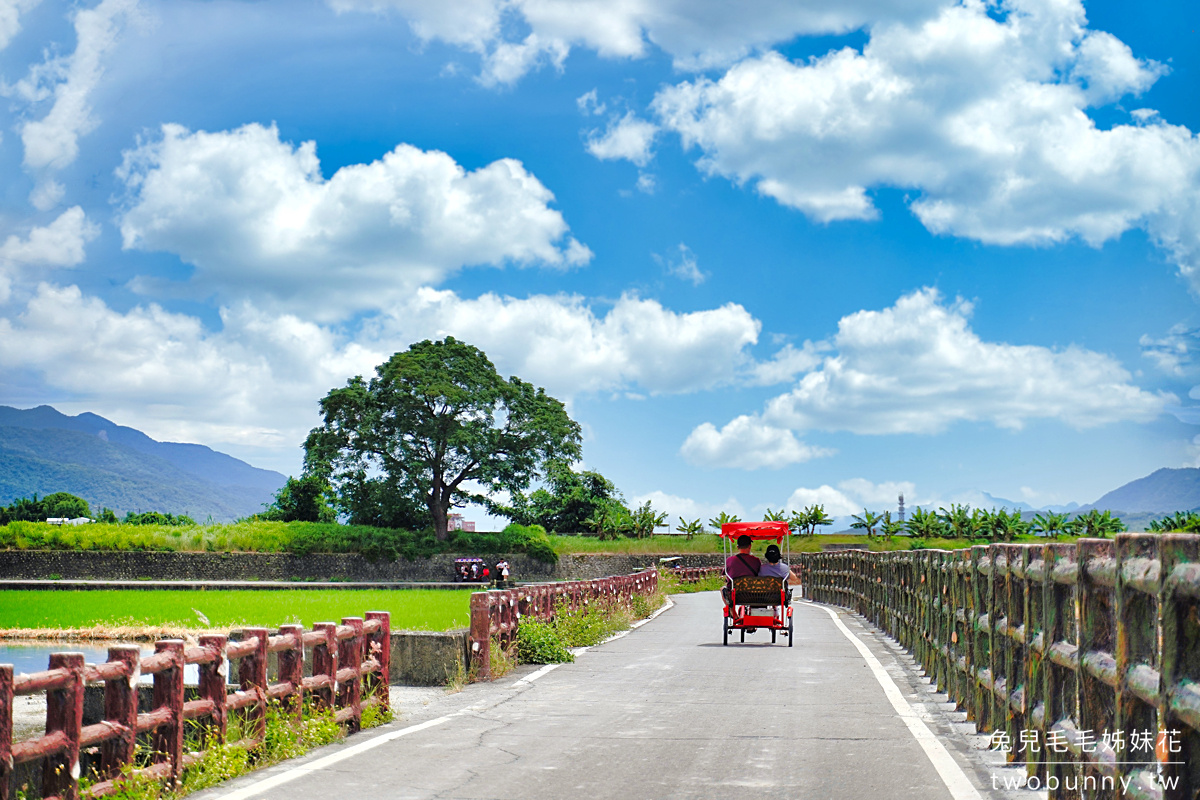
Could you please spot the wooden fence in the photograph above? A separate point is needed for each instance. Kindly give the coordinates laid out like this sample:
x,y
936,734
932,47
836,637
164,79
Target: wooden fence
x,y
496,615
342,657
1081,659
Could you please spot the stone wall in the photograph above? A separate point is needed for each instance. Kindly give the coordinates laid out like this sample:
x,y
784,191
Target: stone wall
x,y
131,566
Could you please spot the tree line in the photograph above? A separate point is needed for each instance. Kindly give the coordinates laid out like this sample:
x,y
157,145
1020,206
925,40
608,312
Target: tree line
x,y
63,505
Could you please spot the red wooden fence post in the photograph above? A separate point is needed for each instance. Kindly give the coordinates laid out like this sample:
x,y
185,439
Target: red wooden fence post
x,y
121,708
325,662
64,712
212,687
350,652
291,670
481,652
6,726
381,651
252,675
168,693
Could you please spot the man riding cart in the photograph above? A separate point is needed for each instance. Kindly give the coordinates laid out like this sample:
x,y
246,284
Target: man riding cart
x,y
754,600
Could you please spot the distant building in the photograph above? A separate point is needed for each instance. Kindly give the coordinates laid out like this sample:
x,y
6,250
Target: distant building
x,y
457,523
66,521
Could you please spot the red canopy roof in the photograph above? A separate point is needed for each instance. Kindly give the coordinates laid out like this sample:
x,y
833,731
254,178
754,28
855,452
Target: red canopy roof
x,y
755,530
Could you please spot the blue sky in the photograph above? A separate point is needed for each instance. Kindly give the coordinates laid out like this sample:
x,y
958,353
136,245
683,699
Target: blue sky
x,y
770,254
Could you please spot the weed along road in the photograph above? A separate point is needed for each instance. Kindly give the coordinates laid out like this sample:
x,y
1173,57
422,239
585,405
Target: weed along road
x,y
665,711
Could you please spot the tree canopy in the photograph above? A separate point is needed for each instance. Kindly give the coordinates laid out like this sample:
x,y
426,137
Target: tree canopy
x,y
437,427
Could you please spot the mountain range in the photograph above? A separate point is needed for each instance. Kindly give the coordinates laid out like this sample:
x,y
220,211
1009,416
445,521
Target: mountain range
x,y
113,466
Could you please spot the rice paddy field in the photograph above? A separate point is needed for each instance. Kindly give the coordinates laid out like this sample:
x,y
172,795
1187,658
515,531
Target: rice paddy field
x,y
411,609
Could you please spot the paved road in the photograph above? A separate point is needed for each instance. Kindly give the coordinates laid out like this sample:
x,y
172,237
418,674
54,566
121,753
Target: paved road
x,y
665,712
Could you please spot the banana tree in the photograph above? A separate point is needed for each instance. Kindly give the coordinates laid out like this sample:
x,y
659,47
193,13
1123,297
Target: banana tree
x,y
867,522
646,519
1049,524
722,519
689,528
890,527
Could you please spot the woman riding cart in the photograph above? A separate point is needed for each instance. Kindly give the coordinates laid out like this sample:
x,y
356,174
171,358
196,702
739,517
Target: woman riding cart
x,y
754,601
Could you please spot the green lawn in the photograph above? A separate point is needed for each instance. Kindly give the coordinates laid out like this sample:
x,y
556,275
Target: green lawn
x,y
411,609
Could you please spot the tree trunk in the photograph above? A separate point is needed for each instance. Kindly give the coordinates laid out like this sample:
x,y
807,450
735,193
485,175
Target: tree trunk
x,y
440,514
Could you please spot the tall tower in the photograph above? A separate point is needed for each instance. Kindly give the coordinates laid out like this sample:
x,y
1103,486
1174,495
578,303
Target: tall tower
x,y
901,507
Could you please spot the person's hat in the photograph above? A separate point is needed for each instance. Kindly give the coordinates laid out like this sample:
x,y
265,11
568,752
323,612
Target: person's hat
x,y
773,553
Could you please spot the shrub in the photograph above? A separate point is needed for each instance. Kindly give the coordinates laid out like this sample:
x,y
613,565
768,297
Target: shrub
x,y
540,643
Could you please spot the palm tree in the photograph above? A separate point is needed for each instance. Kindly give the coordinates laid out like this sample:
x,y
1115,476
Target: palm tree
x,y
774,516
1183,521
868,522
1095,523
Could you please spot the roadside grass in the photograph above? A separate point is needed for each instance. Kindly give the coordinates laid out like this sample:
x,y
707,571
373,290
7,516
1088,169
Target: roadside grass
x,y
411,609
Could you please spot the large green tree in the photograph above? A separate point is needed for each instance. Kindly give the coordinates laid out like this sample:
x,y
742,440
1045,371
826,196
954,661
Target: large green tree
x,y
566,501
436,427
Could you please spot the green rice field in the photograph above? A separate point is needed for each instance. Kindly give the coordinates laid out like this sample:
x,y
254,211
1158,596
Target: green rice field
x,y
411,609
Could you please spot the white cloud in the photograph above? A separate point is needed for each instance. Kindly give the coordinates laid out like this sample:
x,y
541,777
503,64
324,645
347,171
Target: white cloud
x,y
787,364
589,104
747,442
697,34
52,142
10,18
256,218
255,383
560,343
852,496
687,508
984,119
917,367
1172,353
59,244
629,137
683,265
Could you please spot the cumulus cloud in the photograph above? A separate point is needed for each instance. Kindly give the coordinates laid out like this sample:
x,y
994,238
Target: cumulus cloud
x,y
60,244
747,442
52,142
628,137
561,343
985,119
697,34
678,507
10,18
917,367
257,219
255,382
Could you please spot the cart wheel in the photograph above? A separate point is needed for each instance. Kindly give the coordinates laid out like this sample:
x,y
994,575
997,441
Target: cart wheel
x,y
772,636
725,626
791,636
743,635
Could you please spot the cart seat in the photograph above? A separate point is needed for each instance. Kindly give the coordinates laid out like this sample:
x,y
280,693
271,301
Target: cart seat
x,y
758,591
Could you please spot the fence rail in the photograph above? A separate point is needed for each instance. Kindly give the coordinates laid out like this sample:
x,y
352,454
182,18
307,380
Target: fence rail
x,y
1081,659
342,657
496,615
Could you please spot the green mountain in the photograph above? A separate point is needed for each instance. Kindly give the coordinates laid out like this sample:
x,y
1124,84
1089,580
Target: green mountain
x,y
44,451
1164,491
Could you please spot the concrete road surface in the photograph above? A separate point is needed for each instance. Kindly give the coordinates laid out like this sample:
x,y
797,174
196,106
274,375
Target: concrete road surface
x,y
665,712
